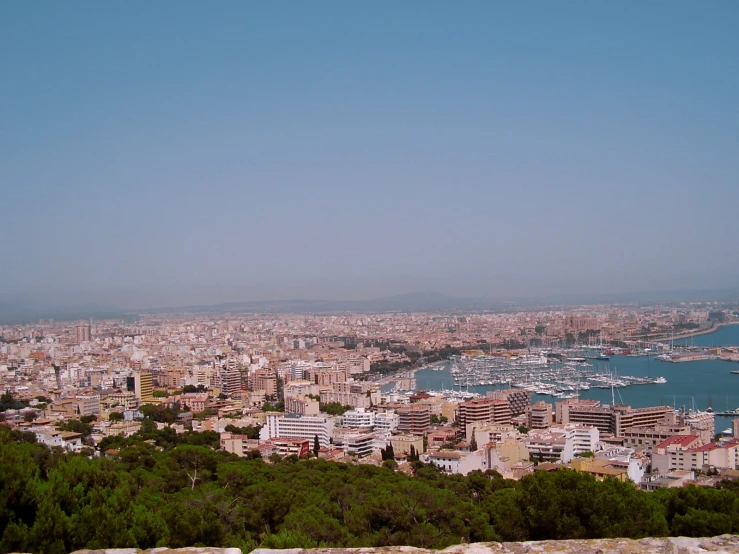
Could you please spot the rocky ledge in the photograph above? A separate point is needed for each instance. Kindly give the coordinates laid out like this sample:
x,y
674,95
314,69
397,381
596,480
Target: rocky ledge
x,y
680,545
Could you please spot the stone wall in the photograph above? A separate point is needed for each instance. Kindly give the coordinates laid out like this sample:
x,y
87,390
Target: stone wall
x,y
682,545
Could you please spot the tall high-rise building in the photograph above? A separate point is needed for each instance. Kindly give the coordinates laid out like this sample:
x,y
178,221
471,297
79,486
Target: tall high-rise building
x,y
142,384
230,379
83,333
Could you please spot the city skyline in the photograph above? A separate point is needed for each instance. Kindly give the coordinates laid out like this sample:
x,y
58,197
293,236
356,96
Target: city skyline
x,y
176,155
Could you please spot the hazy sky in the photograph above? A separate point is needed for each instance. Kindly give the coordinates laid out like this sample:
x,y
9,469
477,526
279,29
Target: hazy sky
x,y
155,153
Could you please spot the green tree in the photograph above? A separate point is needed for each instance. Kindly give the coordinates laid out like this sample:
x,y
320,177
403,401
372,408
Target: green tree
x,y
198,462
76,426
251,432
413,455
388,453
333,408
390,464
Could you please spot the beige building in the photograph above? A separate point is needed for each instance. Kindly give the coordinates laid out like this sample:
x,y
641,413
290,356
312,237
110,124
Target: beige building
x,y
650,437
265,380
414,419
685,452
88,404
238,444
539,415
355,400
489,432
491,410
195,401
518,399
302,406
505,456
402,444
610,419
301,387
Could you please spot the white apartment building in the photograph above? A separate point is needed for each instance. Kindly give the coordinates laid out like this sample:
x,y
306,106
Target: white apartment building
x,y
562,443
386,421
359,442
461,463
446,460
63,439
359,418
281,425
624,457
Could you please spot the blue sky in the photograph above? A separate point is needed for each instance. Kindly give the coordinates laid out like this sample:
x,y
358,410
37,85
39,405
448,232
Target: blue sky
x,y
159,153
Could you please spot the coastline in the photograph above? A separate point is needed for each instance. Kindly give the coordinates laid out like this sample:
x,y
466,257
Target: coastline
x,y
688,334
708,331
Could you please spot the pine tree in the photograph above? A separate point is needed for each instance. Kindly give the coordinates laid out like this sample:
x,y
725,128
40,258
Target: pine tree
x,y
389,452
473,442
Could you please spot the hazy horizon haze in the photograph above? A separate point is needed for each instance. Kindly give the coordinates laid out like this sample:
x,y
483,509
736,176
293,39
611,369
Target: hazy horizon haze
x,y
182,153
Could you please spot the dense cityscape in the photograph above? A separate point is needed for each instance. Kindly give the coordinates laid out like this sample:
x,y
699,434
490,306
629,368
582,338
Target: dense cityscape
x,y
341,387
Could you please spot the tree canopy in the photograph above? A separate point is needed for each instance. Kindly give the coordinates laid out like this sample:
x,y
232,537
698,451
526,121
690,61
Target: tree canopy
x,y
158,488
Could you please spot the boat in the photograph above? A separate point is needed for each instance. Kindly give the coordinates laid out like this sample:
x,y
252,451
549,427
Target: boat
x,y
660,381
602,357
734,372
727,431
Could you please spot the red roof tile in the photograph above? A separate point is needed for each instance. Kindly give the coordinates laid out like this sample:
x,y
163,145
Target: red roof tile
x,y
681,440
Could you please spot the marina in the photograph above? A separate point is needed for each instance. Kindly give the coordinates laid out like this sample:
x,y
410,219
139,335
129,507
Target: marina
x,y
541,374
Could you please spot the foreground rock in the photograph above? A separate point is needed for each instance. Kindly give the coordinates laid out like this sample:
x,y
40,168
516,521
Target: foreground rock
x,y
725,544
681,545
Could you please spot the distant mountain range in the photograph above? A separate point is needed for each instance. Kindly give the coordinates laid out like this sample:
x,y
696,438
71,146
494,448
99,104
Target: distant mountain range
x,y
18,311
652,297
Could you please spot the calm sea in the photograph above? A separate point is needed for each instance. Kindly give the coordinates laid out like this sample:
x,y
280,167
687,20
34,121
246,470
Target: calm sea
x,y
700,384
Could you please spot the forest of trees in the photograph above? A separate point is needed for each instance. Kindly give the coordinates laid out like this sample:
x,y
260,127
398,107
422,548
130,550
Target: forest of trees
x,y
177,492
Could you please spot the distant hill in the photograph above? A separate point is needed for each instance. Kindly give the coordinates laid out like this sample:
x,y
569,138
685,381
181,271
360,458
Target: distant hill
x,y
651,297
20,311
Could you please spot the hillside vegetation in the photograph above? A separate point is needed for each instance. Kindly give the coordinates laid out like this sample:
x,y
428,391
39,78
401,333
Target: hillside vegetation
x,y
179,494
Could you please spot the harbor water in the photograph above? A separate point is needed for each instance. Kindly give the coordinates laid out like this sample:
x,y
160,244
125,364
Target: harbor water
x,y
700,384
